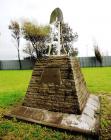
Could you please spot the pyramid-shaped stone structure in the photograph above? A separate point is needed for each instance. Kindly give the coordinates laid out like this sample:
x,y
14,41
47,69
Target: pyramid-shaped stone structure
x,y
57,97
58,85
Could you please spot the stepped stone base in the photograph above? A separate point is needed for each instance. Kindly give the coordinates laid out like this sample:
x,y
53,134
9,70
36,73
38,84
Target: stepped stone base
x,y
87,122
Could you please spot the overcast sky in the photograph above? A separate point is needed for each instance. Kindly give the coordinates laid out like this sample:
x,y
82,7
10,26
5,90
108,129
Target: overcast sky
x,y
91,19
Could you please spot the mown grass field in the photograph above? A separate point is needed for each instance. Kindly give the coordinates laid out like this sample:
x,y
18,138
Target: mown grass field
x,y
13,85
98,79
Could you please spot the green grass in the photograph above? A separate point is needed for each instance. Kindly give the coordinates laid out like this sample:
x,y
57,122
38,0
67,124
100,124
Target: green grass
x,y
24,131
13,86
13,80
98,79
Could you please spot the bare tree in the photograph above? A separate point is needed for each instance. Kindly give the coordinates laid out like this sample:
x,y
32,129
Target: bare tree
x,y
29,50
15,29
67,39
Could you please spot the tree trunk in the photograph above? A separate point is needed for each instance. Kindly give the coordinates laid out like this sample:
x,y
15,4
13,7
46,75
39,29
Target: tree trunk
x,y
20,65
36,53
18,43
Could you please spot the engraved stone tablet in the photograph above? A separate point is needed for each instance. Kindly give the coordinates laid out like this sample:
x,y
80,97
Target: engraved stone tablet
x,y
51,75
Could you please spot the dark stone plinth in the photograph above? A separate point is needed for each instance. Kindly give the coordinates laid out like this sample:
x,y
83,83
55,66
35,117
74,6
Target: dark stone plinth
x,y
57,84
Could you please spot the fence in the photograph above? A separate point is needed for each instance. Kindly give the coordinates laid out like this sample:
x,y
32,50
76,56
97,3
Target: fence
x,y
14,64
27,64
92,62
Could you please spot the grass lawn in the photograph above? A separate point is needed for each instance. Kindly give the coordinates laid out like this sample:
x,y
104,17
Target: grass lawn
x,y
13,86
98,79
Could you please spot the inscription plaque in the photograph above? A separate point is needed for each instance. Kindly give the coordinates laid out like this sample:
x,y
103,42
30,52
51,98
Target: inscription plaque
x,y
51,75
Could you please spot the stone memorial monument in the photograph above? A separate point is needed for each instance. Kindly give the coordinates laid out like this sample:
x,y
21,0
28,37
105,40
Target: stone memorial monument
x,y
57,95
